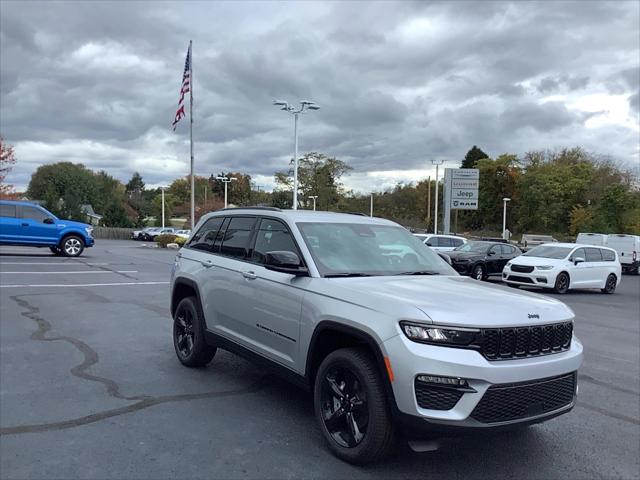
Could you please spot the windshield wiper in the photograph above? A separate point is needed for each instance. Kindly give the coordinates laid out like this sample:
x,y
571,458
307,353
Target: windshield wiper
x,y
419,272
347,274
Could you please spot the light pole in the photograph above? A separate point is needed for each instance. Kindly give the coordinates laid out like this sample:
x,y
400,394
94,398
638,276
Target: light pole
x,y
226,181
504,217
162,189
313,197
437,163
304,106
371,207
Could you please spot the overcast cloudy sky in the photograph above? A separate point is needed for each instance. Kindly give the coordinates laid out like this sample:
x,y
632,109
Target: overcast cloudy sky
x,y
399,83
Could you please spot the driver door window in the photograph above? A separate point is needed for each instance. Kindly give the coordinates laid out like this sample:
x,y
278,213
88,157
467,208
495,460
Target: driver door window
x,y
272,236
34,214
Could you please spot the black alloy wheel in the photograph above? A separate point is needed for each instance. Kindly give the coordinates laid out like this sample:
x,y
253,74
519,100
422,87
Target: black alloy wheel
x,y
344,406
610,285
478,273
562,283
351,406
188,334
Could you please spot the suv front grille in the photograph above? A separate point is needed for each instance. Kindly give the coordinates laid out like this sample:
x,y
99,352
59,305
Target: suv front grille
x,y
516,401
436,397
522,342
521,268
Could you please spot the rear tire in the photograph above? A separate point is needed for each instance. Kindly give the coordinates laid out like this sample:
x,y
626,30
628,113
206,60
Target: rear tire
x,y
188,334
610,285
562,283
351,407
72,246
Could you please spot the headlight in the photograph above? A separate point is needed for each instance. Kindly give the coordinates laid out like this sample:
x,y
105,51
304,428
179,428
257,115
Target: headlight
x,y
544,267
438,335
89,230
508,264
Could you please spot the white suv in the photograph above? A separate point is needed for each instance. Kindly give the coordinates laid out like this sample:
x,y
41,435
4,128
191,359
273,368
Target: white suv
x,y
387,336
441,243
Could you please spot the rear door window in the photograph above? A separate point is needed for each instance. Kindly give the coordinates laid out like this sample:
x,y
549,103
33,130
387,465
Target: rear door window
x,y
456,242
237,237
593,255
206,235
608,256
7,210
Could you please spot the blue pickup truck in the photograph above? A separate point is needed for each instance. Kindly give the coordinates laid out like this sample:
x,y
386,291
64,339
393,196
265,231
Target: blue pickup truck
x,y
30,225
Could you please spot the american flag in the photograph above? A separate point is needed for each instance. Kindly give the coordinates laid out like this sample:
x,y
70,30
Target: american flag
x,y
186,88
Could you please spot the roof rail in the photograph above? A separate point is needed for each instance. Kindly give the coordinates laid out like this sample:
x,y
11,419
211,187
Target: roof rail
x,y
272,209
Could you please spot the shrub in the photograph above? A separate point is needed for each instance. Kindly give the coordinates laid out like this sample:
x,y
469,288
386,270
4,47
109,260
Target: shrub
x,y
163,240
181,240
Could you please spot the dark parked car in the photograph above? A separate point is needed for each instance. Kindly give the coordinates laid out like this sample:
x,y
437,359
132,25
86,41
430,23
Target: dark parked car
x,y
150,234
481,259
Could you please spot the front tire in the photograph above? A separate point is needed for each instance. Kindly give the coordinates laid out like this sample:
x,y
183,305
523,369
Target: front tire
x,y
72,246
562,283
351,407
610,285
478,273
188,334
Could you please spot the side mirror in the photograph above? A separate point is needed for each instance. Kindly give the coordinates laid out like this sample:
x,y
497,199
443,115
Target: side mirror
x,y
491,253
48,221
578,260
285,262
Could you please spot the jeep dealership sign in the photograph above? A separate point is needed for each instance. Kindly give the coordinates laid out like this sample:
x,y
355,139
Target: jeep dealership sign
x,y
460,191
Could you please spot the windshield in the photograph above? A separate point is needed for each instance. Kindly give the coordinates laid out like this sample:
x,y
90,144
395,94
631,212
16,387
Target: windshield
x,y
547,251
346,249
476,247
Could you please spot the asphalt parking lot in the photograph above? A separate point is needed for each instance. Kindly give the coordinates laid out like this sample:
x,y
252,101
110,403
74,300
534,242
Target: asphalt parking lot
x,y
90,388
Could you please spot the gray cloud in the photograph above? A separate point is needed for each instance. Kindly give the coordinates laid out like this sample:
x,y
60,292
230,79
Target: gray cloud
x,y
399,83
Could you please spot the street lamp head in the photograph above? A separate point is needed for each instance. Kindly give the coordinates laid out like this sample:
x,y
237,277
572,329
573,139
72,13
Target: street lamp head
x,y
313,106
232,179
280,103
505,199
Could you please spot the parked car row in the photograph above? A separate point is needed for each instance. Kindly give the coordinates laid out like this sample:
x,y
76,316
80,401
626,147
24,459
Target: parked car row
x,y
556,266
149,234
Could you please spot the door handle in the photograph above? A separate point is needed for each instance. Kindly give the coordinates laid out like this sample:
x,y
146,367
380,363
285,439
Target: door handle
x,y
249,275
25,224
207,263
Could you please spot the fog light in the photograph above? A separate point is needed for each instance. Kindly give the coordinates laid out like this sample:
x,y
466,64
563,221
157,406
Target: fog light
x,y
452,381
541,280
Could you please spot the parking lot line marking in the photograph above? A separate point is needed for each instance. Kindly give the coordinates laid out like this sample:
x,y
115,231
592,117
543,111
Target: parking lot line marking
x,y
51,263
79,271
83,285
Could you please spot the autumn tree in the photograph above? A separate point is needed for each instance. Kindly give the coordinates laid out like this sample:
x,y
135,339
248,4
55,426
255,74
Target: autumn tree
x,y
7,160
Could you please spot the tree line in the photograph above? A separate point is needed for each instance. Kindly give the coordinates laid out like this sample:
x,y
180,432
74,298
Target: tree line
x,y
559,192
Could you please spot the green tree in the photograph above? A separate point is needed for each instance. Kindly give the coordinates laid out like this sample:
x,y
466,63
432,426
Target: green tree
x,y
135,186
580,219
472,157
7,160
115,215
318,174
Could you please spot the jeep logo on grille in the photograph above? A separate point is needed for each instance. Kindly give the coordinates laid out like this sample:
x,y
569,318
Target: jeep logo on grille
x,y
534,315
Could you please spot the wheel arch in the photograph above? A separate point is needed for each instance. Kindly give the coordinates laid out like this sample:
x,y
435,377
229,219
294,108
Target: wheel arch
x,y
184,287
71,233
329,336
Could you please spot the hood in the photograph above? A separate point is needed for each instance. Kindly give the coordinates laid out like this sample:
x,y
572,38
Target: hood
x,y
461,301
457,255
533,261
71,223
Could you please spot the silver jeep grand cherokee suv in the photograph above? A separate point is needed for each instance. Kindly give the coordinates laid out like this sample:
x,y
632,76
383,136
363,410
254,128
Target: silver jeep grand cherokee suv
x,y
389,338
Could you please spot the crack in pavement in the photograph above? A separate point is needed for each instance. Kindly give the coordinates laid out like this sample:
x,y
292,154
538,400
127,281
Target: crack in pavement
x,y
113,389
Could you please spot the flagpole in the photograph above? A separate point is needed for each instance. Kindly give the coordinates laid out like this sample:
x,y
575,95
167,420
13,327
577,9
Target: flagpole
x,y
193,190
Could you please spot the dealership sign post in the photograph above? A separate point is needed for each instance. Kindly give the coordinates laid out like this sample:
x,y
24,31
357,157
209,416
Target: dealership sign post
x,y
460,192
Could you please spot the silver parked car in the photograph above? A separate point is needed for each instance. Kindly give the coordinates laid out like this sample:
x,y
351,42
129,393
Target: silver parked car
x,y
386,335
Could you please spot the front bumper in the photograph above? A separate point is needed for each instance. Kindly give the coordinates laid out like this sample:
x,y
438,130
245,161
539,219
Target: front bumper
x,y
410,360
462,268
89,241
537,278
